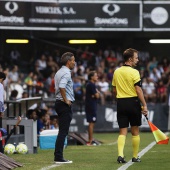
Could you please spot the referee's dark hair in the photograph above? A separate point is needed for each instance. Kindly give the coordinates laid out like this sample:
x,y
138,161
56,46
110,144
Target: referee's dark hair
x,y
91,74
2,75
65,57
128,53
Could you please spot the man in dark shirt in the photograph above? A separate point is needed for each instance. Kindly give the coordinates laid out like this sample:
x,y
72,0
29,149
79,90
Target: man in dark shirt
x,y
92,94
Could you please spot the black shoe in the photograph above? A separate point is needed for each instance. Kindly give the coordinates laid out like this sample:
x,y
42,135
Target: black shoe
x,y
63,161
136,160
120,160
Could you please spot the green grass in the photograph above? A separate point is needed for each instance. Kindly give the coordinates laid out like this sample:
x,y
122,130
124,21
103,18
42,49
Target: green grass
x,y
100,157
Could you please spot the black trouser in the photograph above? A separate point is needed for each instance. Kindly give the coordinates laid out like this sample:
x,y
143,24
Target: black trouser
x,y
64,112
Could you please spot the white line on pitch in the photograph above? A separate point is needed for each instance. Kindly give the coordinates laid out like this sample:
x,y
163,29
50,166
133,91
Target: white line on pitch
x,y
125,166
113,143
51,166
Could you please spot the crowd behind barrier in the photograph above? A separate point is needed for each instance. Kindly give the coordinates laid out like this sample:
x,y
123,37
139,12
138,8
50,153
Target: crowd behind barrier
x,y
36,78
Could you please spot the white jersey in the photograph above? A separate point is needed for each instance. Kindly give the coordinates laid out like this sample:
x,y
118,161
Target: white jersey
x,y
2,109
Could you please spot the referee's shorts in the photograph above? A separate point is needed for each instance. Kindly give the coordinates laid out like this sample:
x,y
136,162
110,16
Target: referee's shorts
x,y
128,111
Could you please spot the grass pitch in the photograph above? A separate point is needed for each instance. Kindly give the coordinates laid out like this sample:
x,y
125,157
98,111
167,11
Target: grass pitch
x,y
101,157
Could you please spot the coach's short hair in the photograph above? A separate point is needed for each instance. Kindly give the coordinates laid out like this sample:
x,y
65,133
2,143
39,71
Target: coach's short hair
x,y
128,53
65,57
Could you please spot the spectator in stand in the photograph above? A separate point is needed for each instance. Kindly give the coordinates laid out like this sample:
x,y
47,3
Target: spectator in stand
x,y
109,75
34,80
49,85
25,94
56,55
78,89
155,75
38,85
100,72
28,79
119,64
14,56
111,58
1,69
14,75
29,82
53,122
103,86
41,65
86,56
161,92
160,68
32,114
165,64
52,63
6,81
42,121
152,64
149,90
14,94
118,53
98,58
80,72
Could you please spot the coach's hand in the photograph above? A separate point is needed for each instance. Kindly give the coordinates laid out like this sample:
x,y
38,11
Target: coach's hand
x,y
68,102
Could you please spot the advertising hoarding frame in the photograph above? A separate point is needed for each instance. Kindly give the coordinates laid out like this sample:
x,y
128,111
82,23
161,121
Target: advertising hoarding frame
x,y
72,28
154,3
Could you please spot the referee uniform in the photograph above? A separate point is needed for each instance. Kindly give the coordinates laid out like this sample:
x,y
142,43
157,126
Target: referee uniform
x,y
128,104
127,86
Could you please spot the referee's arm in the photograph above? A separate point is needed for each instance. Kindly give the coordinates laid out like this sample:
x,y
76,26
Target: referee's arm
x,y
142,99
114,92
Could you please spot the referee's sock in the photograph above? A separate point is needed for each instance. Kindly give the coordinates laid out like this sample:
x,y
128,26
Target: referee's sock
x,y
121,143
135,145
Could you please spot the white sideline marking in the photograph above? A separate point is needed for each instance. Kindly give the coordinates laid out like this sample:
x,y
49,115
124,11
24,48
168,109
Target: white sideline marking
x,y
125,166
49,167
113,143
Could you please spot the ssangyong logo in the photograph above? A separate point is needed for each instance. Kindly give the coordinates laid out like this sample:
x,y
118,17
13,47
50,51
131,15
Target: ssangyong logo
x,y
107,9
11,7
159,15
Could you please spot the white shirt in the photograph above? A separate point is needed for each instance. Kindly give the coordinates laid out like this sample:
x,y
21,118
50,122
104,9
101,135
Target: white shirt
x,y
104,86
2,109
148,87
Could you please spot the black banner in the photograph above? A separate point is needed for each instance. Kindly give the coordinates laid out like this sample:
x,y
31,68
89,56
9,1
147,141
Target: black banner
x,y
156,16
86,16
107,119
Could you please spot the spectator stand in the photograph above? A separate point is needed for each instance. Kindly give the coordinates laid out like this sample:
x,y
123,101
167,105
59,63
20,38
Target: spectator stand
x,y
169,109
27,130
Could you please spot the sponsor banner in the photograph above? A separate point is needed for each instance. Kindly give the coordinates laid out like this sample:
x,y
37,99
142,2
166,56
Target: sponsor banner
x,y
107,119
91,16
156,16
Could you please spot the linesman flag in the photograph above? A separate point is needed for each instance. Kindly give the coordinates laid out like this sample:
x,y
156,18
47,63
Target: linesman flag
x,y
160,137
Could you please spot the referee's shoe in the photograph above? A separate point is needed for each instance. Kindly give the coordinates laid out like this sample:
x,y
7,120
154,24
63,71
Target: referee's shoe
x,y
121,160
136,160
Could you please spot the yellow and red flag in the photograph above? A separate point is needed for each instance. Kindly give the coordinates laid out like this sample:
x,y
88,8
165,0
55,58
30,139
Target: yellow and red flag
x,y
160,137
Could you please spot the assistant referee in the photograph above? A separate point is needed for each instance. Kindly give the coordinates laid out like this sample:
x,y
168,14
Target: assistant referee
x,y
127,87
